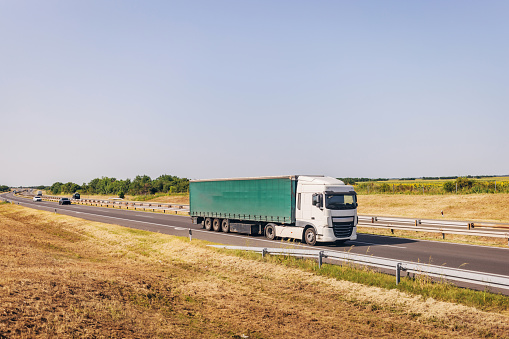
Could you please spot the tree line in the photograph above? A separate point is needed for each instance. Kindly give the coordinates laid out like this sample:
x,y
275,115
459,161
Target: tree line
x,y
353,181
141,185
4,188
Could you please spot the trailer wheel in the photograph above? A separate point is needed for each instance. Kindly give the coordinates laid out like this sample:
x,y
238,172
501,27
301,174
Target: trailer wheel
x,y
216,225
310,236
208,224
270,231
225,225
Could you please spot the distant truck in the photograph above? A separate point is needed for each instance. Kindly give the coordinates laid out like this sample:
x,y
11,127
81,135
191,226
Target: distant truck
x,y
308,208
76,196
39,193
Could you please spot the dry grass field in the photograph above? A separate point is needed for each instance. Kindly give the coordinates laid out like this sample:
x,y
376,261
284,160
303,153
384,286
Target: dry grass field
x,y
179,198
472,207
68,277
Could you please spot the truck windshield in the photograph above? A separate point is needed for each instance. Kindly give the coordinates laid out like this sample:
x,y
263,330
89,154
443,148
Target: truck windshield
x,y
340,201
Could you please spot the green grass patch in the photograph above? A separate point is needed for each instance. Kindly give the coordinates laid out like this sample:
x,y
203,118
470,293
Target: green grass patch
x,y
416,285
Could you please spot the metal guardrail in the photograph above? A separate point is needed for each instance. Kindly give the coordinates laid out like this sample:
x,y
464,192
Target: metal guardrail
x,y
432,222
440,272
436,226
127,204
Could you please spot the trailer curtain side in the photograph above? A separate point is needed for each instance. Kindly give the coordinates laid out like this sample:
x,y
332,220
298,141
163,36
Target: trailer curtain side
x,y
264,199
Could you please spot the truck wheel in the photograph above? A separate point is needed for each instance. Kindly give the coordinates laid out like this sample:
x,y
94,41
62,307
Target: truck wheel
x,y
216,225
208,224
270,231
310,236
225,225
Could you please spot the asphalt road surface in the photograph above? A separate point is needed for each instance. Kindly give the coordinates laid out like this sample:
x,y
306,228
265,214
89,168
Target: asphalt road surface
x,y
469,257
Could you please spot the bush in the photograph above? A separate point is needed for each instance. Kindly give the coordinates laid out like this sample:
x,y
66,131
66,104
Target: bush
x,y
449,186
385,187
464,183
121,195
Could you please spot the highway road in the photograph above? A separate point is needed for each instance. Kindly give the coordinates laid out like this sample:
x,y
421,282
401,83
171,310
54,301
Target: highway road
x,y
470,257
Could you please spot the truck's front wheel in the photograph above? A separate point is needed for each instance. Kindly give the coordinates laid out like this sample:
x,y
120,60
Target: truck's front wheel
x,y
270,231
310,236
208,224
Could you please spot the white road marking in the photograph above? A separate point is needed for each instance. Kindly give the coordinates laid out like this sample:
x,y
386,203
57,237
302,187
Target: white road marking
x,y
371,243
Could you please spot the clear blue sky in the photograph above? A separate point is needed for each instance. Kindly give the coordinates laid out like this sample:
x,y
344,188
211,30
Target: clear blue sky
x,y
205,89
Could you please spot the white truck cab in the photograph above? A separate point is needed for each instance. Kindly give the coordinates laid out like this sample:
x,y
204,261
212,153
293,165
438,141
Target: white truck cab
x,y
325,211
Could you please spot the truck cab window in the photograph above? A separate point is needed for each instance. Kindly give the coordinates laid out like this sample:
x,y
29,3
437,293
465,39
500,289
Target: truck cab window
x,y
341,201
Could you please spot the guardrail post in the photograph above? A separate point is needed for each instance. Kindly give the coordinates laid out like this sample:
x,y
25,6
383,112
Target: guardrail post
x,y
398,273
264,251
320,257
190,235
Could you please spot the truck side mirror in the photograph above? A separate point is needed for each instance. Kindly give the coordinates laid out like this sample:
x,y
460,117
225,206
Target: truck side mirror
x,y
317,200
314,200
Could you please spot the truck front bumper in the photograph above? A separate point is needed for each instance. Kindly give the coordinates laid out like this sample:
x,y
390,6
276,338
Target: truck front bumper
x,y
328,235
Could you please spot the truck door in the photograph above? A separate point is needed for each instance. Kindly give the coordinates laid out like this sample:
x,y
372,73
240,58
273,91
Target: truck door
x,y
304,212
317,215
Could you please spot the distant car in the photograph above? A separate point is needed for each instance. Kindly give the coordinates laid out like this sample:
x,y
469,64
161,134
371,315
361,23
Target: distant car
x,y
64,201
37,198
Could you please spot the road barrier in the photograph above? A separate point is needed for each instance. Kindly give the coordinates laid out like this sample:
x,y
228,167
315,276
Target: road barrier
x,y
486,280
113,203
443,227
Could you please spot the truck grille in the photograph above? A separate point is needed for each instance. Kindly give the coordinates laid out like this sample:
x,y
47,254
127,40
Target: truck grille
x,y
342,229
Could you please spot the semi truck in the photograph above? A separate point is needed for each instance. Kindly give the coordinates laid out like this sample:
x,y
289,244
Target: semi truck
x,y
307,208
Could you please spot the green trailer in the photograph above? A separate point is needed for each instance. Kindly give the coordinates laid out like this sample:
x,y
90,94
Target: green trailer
x,y
264,199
